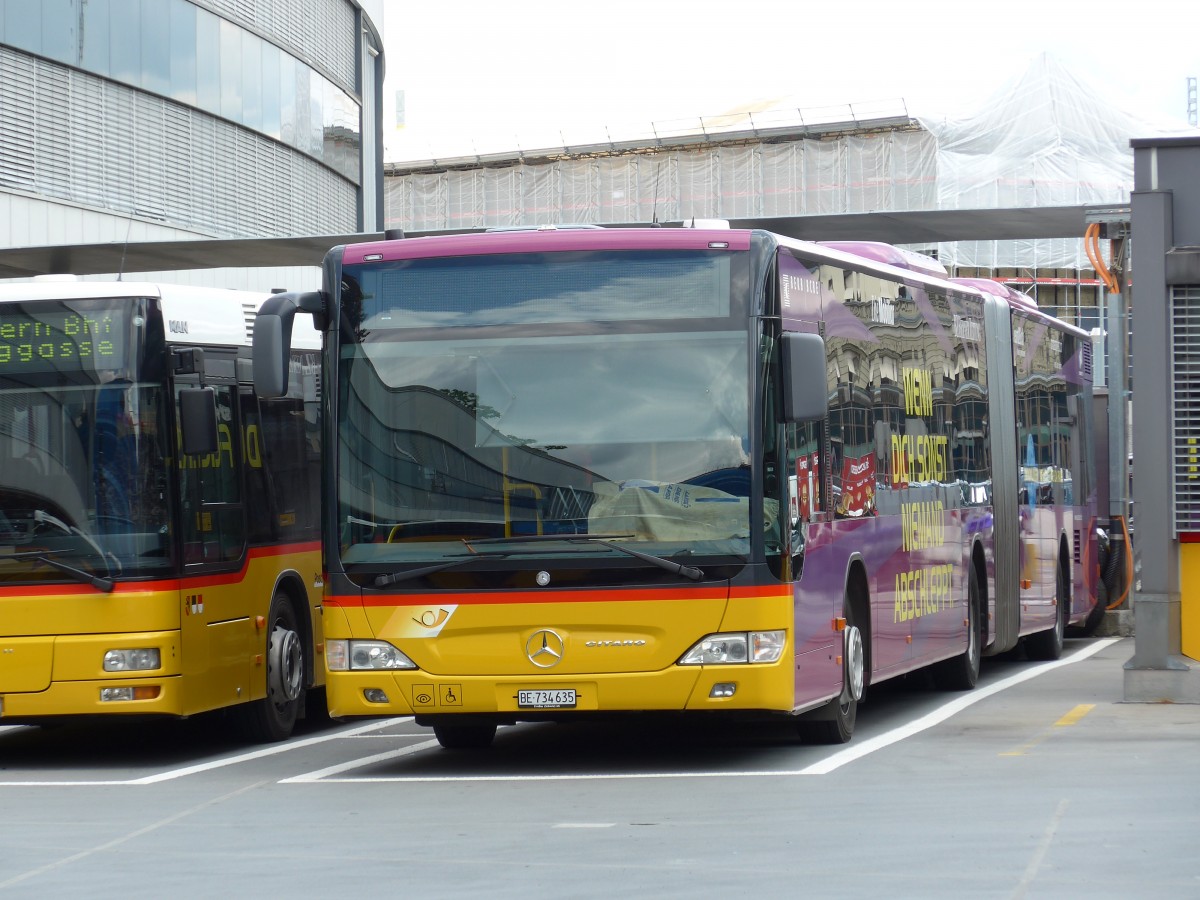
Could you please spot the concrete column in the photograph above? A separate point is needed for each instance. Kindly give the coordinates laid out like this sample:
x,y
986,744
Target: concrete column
x,y
1158,671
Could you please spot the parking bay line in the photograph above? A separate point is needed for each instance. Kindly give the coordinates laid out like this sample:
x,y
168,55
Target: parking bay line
x,y
823,767
251,756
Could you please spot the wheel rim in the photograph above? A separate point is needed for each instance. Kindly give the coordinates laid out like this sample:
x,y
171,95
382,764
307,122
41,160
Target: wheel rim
x,y
855,664
286,669
972,634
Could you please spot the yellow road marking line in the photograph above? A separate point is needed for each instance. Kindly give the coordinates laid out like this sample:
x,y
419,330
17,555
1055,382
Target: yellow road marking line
x,y
1069,719
1076,714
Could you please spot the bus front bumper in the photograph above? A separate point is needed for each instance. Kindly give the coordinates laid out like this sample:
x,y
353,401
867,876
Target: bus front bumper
x,y
153,696
714,688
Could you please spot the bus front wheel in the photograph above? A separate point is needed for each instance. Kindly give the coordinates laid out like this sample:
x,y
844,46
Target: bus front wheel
x,y
273,717
834,722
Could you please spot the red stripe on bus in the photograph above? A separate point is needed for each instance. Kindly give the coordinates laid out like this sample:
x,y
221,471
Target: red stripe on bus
x,y
502,597
164,584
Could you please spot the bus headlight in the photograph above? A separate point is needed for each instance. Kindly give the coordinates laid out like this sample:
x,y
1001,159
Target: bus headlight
x,y
138,660
736,648
342,656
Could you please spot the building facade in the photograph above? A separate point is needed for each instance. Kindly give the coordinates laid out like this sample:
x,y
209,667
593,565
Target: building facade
x,y
143,120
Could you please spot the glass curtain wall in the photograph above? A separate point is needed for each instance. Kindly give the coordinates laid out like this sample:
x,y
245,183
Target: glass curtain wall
x,y
178,50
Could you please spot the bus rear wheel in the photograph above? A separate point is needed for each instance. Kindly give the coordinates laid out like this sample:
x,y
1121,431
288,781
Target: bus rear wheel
x,y
273,717
960,673
1049,644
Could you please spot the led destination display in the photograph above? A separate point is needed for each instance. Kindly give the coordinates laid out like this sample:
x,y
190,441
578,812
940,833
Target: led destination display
x,y
43,338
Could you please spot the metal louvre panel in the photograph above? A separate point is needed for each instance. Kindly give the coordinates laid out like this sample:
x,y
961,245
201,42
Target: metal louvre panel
x,y
1185,342
51,137
203,184
116,122
246,180
17,119
178,145
87,161
150,178
224,174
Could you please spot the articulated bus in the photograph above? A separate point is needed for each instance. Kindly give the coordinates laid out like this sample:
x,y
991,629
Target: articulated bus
x,y
575,472
159,523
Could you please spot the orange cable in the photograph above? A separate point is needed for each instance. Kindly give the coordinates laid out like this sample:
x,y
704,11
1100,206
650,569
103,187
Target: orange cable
x,y
1128,566
1091,245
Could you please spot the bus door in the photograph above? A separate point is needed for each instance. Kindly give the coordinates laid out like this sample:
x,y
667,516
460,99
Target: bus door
x,y
217,619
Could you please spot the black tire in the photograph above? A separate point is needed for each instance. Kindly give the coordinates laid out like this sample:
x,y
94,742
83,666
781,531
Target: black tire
x,y
834,722
274,717
960,673
468,736
1048,644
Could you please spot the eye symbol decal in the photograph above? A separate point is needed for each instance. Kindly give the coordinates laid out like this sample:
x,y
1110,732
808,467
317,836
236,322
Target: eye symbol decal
x,y
431,618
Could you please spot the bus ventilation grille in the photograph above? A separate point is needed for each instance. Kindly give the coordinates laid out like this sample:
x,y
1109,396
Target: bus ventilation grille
x,y
1078,546
249,311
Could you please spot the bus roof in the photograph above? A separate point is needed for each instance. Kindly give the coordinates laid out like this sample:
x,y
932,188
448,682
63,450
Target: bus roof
x,y
893,256
547,240
879,257
193,315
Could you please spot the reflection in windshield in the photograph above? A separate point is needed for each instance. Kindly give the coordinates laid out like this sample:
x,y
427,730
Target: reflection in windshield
x,y
643,436
82,480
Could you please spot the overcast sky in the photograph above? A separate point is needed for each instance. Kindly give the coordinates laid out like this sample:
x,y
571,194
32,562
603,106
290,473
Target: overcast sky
x,y
480,76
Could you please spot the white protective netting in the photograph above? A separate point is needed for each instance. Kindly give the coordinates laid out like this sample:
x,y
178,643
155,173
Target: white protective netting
x,y
1045,139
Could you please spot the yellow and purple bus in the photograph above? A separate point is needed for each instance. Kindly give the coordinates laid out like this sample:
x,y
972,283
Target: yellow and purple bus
x,y
159,522
587,471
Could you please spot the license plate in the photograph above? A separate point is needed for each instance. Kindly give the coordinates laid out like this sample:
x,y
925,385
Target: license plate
x,y
550,699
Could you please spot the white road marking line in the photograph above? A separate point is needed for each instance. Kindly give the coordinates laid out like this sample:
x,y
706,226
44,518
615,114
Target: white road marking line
x,y
1039,854
823,767
322,774
251,756
944,712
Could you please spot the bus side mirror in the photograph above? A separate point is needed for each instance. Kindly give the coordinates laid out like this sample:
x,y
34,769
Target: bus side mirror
x,y
198,420
270,355
805,392
271,344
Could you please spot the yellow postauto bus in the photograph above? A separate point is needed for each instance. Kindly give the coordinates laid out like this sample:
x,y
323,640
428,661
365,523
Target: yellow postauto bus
x,y
159,525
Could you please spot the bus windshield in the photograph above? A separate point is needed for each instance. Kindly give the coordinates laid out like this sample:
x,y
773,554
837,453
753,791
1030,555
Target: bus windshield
x,y
83,478
604,395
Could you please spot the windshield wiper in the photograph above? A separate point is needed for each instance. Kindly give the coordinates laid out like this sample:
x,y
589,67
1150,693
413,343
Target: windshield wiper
x,y
40,516
385,580
604,540
103,584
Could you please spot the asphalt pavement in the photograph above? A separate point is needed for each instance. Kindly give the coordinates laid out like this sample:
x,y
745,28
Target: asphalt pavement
x,y
1042,782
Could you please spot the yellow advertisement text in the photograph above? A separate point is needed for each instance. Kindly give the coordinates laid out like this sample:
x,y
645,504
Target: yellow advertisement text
x,y
918,391
921,457
922,524
923,592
